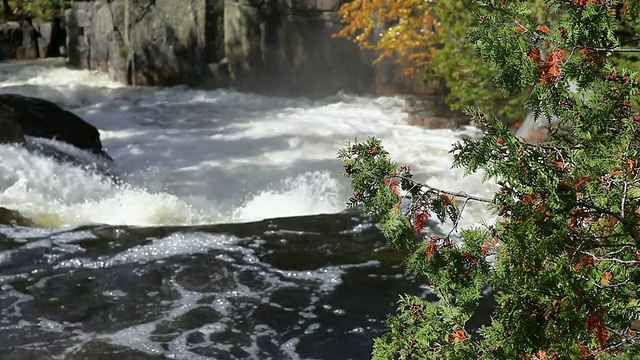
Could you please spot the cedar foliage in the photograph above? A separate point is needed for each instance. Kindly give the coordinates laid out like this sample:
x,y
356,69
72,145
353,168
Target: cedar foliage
x,y
563,258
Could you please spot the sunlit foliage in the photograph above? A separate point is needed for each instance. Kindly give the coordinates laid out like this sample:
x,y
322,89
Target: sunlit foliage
x,y
405,29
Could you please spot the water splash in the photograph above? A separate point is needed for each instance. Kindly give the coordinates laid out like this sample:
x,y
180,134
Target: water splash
x,y
310,193
55,194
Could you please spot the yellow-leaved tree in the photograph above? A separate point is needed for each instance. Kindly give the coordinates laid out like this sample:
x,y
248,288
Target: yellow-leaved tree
x,y
429,37
404,29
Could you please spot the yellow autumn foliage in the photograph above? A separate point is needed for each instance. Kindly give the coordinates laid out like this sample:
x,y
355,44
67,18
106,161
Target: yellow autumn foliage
x,y
405,30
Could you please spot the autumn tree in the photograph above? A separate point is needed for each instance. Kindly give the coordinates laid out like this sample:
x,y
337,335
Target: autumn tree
x,y
407,30
429,37
563,257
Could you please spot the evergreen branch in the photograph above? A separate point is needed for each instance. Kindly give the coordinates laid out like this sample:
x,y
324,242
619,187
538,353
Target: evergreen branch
x,y
459,194
457,221
616,260
623,221
614,50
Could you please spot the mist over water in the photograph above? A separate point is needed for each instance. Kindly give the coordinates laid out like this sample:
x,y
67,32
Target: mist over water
x,y
188,156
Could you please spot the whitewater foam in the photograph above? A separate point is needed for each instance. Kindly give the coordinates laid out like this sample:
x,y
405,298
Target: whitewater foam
x,y
190,156
55,194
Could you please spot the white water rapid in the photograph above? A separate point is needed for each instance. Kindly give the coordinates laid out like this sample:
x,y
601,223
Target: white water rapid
x,y
190,156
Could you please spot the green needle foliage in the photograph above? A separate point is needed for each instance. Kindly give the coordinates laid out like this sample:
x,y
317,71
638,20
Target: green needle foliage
x,y
563,258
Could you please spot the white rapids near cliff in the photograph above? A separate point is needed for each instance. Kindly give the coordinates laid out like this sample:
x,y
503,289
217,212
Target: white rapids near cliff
x,y
193,156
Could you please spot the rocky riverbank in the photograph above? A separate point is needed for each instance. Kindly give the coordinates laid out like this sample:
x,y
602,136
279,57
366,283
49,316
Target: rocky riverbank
x,y
24,40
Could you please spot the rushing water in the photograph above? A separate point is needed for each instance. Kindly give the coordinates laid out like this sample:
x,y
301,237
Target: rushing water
x,y
211,244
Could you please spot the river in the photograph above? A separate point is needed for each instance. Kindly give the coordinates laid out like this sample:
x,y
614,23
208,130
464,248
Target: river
x,y
226,235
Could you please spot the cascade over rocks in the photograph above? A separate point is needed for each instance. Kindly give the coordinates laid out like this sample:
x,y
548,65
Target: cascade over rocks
x,y
21,115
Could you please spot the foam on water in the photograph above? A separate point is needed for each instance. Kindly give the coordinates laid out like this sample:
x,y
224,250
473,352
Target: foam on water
x,y
52,80
55,194
230,300
312,192
193,156
173,245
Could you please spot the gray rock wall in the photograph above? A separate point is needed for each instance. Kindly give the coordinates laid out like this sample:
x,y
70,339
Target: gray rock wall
x,y
280,47
291,42
22,41
166,42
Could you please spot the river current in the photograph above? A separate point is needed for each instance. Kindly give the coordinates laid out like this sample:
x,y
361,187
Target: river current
x,y
226,235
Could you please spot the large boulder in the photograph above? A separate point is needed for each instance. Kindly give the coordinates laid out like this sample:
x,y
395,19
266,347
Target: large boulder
x,y
21,115
10,130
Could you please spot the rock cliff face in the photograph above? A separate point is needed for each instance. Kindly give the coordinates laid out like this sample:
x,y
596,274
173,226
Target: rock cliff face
x,y
290,41
280,47
157,42
23,41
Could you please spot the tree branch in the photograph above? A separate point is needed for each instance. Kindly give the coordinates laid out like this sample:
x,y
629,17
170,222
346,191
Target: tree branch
x,y
459,194
614,50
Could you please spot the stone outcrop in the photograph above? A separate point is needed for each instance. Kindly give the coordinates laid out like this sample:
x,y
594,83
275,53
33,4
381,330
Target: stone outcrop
x,y
287,46
21,115
433,113
22,40
282,47
17,42
163,44
12,217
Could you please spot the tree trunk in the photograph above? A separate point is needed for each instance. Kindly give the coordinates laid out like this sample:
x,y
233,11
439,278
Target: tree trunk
x,y
5,4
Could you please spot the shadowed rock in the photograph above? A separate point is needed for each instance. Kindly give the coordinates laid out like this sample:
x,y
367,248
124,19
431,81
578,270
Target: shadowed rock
x,y
10,131
12,217
21,115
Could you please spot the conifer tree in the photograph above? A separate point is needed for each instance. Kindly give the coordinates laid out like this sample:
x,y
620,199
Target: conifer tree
x,y
563,258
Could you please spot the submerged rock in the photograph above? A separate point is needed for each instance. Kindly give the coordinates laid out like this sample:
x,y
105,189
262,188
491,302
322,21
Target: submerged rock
x,y
21,115
12,217
432,112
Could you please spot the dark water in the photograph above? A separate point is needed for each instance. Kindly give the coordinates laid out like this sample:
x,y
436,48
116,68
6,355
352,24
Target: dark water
x,y
315,287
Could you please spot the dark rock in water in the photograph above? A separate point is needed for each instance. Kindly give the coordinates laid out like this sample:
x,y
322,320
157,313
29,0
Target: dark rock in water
x,y
10,131
44,119
12,217
432,112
